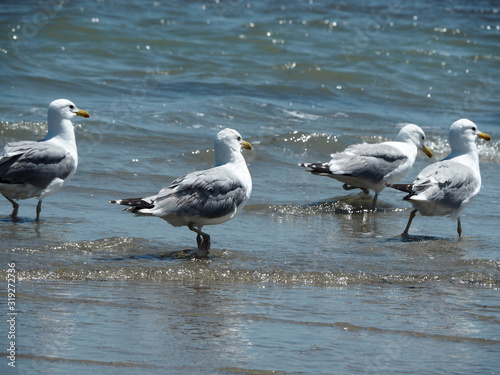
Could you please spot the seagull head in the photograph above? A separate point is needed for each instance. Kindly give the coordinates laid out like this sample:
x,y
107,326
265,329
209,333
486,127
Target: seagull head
x,y
60,113
463,134
412,133
63,109
228,145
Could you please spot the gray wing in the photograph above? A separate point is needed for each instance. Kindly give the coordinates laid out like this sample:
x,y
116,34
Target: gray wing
x,y
448,182
369,161
34,163
211,193
15,148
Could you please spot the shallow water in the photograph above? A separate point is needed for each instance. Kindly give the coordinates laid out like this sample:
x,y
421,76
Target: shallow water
x,y
305,280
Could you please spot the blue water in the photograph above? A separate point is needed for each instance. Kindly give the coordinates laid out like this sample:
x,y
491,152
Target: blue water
x,y
305,280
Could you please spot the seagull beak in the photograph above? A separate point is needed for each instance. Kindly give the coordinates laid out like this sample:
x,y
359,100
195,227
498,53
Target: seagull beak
x,y
427,151
246,145
82,113
484,136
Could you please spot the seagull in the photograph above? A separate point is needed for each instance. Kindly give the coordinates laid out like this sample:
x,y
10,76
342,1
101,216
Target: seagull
x,y
371,166
31,169
207,197
448,186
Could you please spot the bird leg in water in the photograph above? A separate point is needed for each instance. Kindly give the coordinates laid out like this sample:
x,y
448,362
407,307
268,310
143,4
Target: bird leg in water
x,y
202,239
38,210
365,190
15,207
374,203
459,228
412,216
349,187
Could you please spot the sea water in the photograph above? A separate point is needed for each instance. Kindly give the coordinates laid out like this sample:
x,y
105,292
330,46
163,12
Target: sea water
x,y
306,279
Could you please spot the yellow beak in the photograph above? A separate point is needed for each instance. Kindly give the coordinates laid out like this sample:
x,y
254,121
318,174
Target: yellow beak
x,y
427,151
246,145
82,113
484,136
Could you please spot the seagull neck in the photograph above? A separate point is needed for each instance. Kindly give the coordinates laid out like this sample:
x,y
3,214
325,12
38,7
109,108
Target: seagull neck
x,y
228,156
470,158
61,130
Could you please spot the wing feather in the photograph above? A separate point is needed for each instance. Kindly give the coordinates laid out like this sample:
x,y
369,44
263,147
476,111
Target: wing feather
x,y
34,163
212,193
369,161
447,182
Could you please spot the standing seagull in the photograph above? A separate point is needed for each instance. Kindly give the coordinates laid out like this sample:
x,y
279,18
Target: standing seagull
x,y
448,186
371,166
208,197
37,169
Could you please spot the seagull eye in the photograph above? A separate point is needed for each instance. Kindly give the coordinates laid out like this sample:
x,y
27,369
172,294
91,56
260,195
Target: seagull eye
x,y
71,106
474,128
239,139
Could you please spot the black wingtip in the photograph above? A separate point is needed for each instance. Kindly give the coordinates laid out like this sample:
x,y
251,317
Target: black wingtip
x,y
136,203
407,188
316,168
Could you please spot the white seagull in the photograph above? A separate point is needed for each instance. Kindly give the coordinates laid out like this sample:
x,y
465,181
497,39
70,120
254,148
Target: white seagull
x,y
31,169
448,186
371,166
207,197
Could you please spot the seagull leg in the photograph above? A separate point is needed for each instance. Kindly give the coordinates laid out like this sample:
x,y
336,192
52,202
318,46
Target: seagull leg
x,y
459,228
38,210
205,244
350,187
203,241
374,203
412,216
365,190
199,240
15,207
